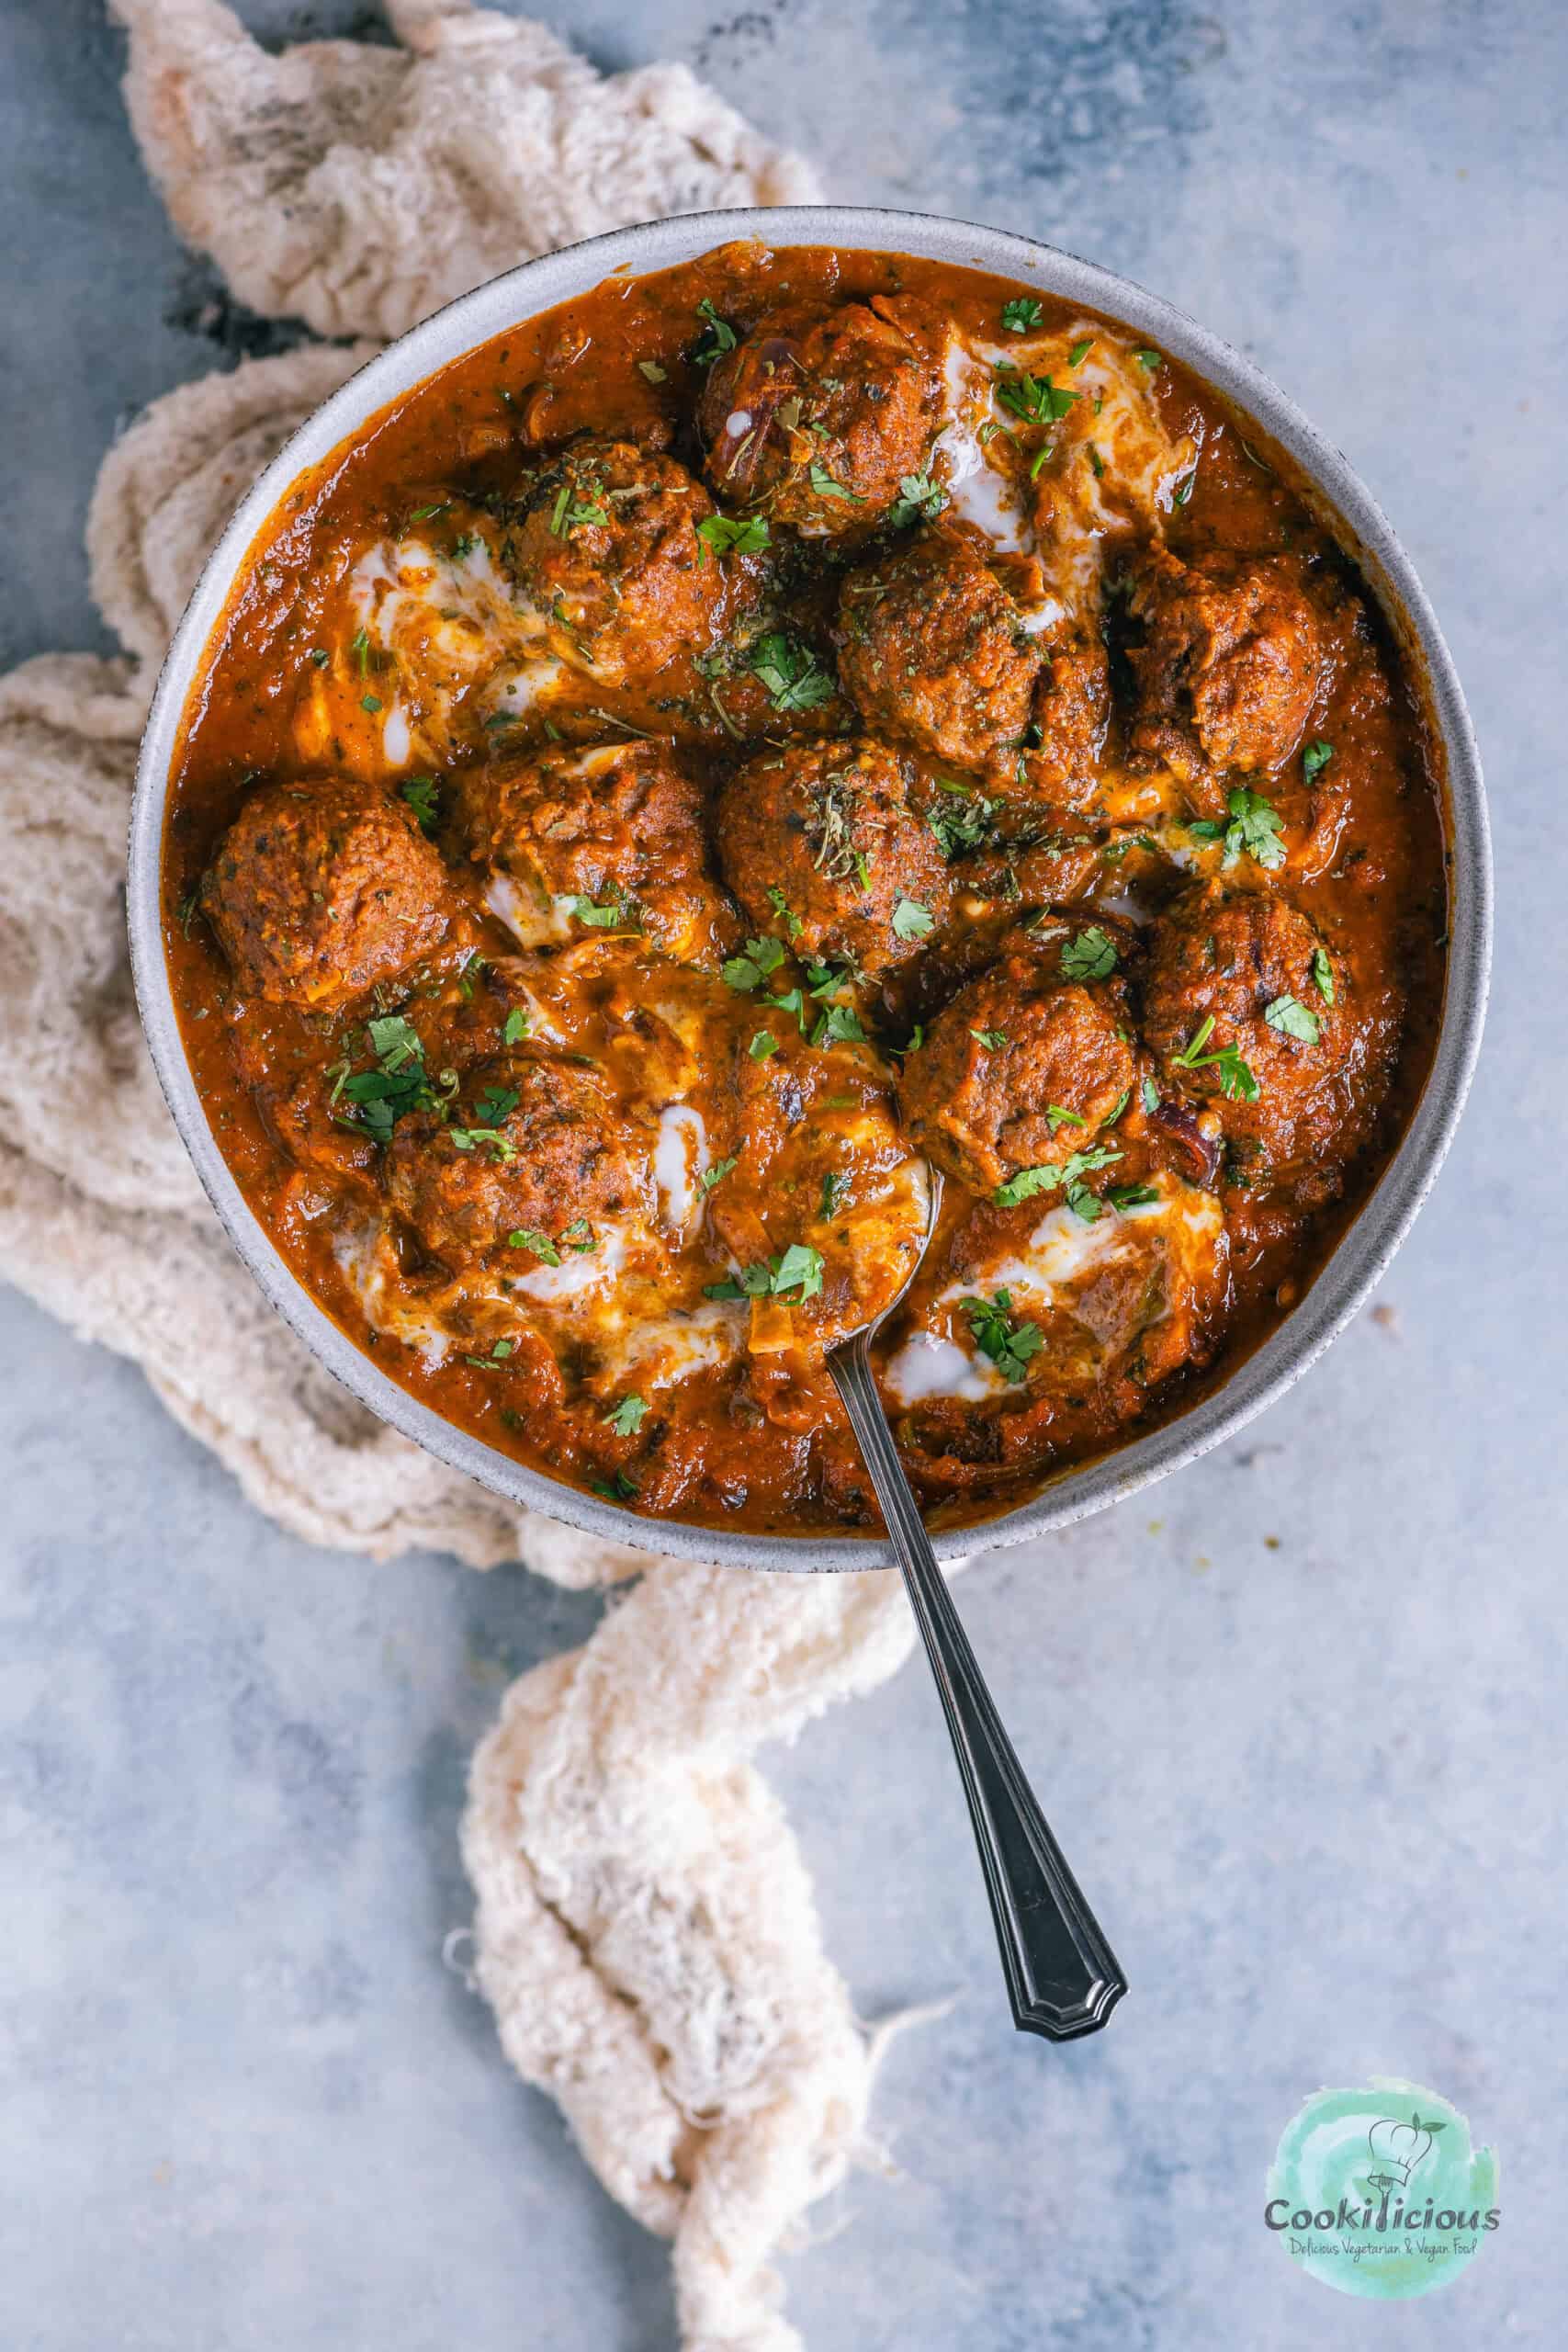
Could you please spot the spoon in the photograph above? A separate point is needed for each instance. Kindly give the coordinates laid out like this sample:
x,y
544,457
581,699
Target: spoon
x,y
1063,1978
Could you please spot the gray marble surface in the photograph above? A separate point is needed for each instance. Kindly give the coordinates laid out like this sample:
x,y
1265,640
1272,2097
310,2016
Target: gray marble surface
x,y
1298,1713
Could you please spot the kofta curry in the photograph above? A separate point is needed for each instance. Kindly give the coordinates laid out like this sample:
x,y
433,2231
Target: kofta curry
x,y
742,741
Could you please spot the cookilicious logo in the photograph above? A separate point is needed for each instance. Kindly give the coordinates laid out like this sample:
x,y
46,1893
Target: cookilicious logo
x,y
1379,2192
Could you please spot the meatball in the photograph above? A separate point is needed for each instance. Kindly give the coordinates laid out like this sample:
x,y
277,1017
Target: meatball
x,y
931,646
608,552
818,416
543,1149
934,648
619,823
1023,1067
320,889
826,832
1230,665
1246,1009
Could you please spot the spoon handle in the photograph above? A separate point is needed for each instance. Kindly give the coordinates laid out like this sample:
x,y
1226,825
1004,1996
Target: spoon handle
x,y
1063,1977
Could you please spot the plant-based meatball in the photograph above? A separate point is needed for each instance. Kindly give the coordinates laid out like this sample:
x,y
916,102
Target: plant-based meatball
x,y
532,1147
609,554
823,838
818,416
570,834
320,889
934,647
1230,665
1025,1066
1246,1009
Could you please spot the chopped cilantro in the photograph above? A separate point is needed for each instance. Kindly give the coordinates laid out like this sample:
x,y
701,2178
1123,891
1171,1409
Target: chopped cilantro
x,y
799,1268
1009,1343
627,1416
728,533
1122,1197
1323,974
618,1489
1149,1092
515,1027
1080,352
1068,1174
1235,1079
785,911
991,1039
718,1172
763,1044
920,500
424,797
498,1356
1091,956
580,1236
528,1237
1022,313
835,1184
717,335
1034,398
1314,759
823,483
793,675
1254,829
1058,1118
653,371
1148,360
606,916
750,967
840,1026
961,828
372,703
911,919
1291,1018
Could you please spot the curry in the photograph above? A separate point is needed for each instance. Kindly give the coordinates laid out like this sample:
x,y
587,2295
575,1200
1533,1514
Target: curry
x,y
745,743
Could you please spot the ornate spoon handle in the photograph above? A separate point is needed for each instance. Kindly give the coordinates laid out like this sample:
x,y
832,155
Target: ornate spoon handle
x,y
1063,1977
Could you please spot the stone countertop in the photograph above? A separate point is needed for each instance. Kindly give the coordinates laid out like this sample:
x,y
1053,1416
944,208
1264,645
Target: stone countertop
x,y
1296,1714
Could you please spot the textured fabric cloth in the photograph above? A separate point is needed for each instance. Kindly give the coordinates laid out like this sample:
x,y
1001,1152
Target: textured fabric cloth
x,y
644,1927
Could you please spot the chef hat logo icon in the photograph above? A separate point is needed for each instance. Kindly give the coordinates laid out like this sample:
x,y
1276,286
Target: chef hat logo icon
x,y
1398,2147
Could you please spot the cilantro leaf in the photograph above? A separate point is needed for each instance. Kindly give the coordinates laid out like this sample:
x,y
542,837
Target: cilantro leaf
x,y
911,919
824,486
516,1026
732,534
627,1416
1314,759
424,797
1010,1344
1323,974
1235,1077
750,967
920,500
1022,313
1291,1018
717,335
793,675
1091,956
528,1236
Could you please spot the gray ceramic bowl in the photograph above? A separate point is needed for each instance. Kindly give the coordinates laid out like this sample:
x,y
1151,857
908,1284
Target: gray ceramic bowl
x,y
1382,1224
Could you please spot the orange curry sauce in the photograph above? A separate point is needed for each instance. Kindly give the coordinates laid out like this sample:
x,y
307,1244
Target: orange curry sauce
x,y
1098,1260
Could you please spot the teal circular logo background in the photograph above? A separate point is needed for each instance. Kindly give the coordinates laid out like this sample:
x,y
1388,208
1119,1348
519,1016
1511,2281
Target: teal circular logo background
x,y
1379,2192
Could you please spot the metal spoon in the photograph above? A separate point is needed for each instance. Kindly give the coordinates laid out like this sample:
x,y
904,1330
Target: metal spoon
x,y
1063,1977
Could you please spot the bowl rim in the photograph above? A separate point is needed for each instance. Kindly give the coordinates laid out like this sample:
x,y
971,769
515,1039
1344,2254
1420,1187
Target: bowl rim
x,y
1365,1249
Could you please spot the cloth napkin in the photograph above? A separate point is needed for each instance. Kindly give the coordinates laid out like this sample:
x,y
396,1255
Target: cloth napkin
x,y
645,1929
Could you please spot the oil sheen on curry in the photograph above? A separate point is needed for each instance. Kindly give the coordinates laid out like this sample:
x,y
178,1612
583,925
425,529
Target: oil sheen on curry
x,y
743,740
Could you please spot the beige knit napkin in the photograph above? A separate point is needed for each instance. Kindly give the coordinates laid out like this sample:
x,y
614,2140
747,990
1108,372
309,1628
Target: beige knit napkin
x,y
644,1927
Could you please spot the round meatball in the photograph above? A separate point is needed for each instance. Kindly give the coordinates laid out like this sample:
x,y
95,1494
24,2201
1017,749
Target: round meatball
x,y
1246,1009
818,416
934,648
532,1146
617,824
823,837
609,554
931,646
1023,1067
320,889
1230,665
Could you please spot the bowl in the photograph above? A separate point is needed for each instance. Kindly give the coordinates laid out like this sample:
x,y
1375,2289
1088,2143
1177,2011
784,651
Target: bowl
x,y
1367,1244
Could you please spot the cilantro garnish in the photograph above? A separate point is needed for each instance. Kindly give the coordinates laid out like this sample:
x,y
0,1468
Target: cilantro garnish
x,y
785,911
527,1236
718,1172
1254,828
1091,956
1022,313
763,1044
1068,1173
823,483
840,1026
717,335
835,1184
911,919
424,797
1008,1344
1034,398
963,828
919,499
793,675
627,1416
515,1027
1323,974
799,1268
1314,759
1235,1080
1291,1018
750,967
991,1039
729,534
